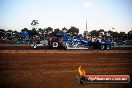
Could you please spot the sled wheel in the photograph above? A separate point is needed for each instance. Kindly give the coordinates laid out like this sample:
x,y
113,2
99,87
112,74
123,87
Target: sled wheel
x,y
35,46
102,47
108,47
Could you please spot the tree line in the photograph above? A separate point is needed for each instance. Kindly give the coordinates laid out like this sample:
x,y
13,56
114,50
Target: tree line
x,y
49,31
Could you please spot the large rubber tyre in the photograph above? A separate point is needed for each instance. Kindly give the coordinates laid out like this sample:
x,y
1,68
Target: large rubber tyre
x,y
108,47
55,44
102,47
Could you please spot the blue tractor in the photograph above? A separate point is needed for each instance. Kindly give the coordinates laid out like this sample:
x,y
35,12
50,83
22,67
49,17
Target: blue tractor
x,y
83,43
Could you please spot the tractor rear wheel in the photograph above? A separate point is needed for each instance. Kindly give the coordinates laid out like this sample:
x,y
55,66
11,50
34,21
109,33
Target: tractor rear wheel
x,y
54,44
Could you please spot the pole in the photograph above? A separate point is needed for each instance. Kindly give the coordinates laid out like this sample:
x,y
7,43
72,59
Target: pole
x,y
86,24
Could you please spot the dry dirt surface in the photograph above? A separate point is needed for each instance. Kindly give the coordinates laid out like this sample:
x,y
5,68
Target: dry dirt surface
x,y
28,47
59,68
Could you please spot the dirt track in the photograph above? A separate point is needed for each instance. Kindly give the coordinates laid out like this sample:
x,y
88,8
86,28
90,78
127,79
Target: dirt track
x,y
58,68
28,47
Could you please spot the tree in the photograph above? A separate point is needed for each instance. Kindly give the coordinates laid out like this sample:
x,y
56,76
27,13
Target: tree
x,y
94,33
34,22
122,35
115,35
2,32
48,30
15,31
64,29
110,32
101,30
40,31
34,32
56,30
30,33
73,30
9,31
24,30
130,35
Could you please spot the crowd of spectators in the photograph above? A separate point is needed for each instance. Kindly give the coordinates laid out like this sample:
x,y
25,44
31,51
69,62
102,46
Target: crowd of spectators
x,y
14,37
17,38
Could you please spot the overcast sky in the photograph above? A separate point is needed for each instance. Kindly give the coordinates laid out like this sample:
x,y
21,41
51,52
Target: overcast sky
x,y
100,14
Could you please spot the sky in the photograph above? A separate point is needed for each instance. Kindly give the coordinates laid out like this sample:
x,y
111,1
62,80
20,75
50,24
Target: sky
x,y
100,14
